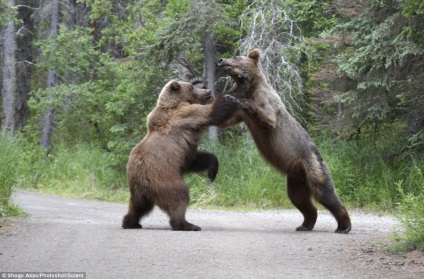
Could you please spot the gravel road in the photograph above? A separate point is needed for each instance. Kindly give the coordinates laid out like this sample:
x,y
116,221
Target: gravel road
x,y
72,235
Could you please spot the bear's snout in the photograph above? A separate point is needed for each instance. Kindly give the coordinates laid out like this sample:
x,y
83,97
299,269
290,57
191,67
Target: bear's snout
x,y
223,64
208,94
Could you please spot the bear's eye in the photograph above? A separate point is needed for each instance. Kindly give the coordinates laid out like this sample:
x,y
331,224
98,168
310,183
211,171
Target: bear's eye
x,y
235,58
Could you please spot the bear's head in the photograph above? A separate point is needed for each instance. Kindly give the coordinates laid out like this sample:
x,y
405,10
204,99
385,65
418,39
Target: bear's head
x,y
242,66
176,92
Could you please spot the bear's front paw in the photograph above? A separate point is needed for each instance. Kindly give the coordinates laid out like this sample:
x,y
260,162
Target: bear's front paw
x,y
231,99
243,78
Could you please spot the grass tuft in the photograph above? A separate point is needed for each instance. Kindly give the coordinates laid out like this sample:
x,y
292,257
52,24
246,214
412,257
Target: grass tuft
x,y
10,158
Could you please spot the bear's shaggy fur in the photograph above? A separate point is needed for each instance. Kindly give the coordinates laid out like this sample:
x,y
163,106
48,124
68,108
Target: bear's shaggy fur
x,y
156,165
282,141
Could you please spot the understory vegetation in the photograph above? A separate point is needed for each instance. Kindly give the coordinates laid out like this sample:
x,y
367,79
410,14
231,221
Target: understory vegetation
x,y
362,175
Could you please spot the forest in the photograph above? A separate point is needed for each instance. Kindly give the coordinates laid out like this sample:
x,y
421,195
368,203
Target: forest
x,y
78,78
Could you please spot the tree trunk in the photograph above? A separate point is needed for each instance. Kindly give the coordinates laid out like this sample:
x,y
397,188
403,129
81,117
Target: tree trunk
x,y
209,74
24,41
9,73
47,122
414,128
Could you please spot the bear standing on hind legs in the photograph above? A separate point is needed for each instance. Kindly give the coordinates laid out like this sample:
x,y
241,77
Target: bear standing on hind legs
x,y
282,141
156,165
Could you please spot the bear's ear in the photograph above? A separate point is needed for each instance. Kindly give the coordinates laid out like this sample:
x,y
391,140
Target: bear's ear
x,y
255,55
175,86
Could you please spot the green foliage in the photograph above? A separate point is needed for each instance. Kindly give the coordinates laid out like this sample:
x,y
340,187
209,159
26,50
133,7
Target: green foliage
x,y
102,100
163,31
72,54
10,157
244,179
81,171
411,216
7,13
180,35
313,16
363,174
132,29
412,7
228,31
386,64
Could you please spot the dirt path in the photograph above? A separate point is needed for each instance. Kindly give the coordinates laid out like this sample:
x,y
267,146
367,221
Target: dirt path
x,y
72,235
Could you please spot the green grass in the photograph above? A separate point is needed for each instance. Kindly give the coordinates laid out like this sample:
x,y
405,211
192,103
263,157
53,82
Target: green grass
x,y
81,171
10,158
360,174
244,180
363,174
410,235
11,161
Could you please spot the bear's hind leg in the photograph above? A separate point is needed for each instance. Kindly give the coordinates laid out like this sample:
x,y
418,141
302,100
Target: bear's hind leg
x,y
176,207
327,196
178,221
300,195
205,161
136,210
325,193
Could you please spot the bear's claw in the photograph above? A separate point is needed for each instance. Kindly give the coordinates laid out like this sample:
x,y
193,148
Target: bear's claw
x,y
132,226
231,99
342,231
303,229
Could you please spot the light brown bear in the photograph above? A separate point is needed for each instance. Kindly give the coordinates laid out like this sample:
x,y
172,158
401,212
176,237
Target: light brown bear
x,y
156,165
282,141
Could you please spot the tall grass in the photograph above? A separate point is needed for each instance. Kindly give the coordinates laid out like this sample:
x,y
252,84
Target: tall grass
x,y
364,177
411,211
411,215
10,158
244,179
361,176
80,171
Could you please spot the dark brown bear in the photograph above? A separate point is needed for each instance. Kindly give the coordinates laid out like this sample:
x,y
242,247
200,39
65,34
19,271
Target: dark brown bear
x,y
156,165
282,141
